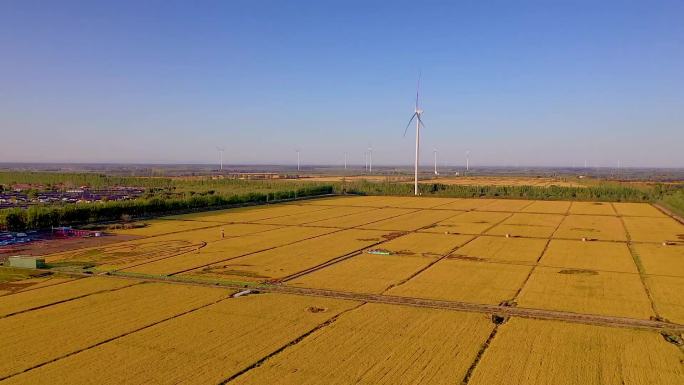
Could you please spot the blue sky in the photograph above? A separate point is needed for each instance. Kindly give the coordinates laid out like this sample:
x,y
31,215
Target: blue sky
x,y
517,83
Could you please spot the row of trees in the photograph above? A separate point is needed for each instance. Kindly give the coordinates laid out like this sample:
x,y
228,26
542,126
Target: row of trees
x,y
607,192
39,217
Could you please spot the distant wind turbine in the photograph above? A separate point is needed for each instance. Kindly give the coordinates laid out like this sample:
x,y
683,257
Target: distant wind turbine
x,y
419,122
220,150
345,160
298,159
435,152
370,159
467,160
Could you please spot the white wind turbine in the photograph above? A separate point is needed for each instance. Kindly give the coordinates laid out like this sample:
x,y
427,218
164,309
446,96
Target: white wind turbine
x,y
467,160
298,159
419,122
220,150
370,159
435,152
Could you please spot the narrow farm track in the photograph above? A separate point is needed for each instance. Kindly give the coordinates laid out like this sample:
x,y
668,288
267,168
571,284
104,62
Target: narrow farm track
x,y
590,319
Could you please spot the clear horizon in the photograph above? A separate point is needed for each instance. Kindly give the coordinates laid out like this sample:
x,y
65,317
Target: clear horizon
x,y
529,84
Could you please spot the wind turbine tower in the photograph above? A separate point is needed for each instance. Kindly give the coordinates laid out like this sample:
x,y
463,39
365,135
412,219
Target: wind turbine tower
x,y
370,159
467,160
298,162
435,152
419,122
345,160
220,150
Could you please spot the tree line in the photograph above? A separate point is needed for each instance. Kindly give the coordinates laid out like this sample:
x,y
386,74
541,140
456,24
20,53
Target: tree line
x,y
46,216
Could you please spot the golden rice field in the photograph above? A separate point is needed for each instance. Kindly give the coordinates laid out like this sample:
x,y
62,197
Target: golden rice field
x,y
227,249
548,207
502,249
363,218
164,226
30,284
69,327
43,296
221,339
471,222
592,208
361,290
586,291
667,296
381,344
551,352
528,225
637,210
287,260
464,204
604,228
507,205
661,260
595,256
466,281
314,216
412,221
425,243
365,273
654,229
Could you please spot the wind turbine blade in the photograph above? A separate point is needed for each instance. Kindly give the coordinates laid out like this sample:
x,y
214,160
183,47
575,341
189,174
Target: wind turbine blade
x,y
418,88
409,123
420,121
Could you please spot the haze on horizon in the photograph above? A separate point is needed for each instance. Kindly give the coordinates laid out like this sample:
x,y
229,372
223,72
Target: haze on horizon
x,y
517,83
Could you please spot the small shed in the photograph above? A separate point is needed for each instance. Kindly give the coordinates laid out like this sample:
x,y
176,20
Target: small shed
x,y
26,262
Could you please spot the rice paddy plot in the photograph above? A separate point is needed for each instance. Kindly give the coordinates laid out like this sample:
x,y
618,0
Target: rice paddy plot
x,y
592,208
363,218
661,260
121,254
528,351
637,210
643,229
380,344
228,248
502,249
27,284
248,214
314,216
132,253
411,221
667,296
164,226
547,207
23,301
466,281
507,205
71,326
420,202
424,243
591,227
203,347
283,261
586,291
599,256
528,225
365,201
465,204
472,222
364,273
